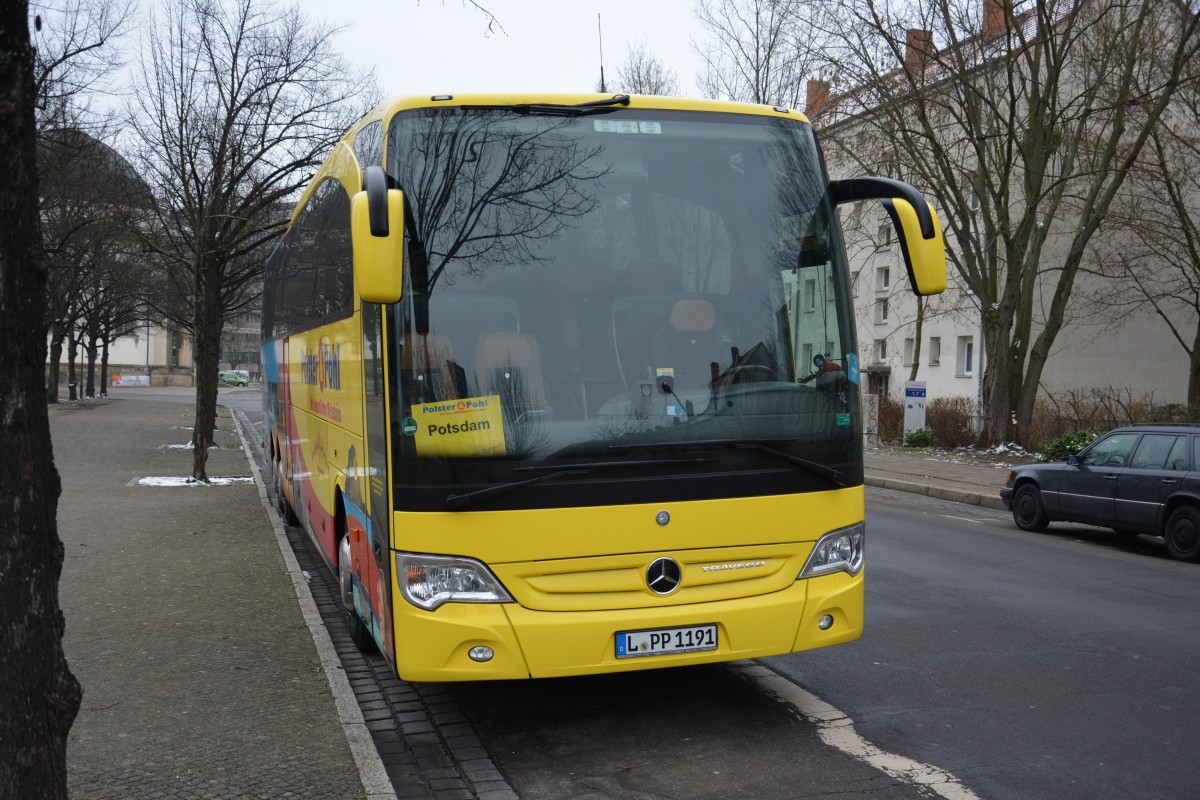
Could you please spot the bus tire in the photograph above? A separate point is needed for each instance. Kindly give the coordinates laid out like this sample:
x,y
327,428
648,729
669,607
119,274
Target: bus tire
x,y
359,634
281,504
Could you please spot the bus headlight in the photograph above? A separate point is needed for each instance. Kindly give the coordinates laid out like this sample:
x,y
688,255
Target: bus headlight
x,y
837,551
429,581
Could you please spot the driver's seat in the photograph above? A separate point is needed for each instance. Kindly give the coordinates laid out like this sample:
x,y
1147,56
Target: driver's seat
x,y
690,342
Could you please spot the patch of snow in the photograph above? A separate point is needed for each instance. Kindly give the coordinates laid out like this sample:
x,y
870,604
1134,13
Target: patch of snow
x,y
190,481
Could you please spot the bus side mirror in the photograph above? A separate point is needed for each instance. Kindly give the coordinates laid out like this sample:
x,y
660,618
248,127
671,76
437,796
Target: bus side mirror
x,y
925,259
916,222
377,231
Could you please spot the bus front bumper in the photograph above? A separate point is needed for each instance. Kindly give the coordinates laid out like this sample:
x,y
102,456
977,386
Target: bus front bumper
x,y
437,646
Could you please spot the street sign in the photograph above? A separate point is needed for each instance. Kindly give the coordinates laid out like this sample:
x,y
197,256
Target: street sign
x,y
914,406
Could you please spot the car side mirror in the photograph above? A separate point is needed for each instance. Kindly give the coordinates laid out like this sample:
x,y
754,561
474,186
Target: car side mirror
x,y
1073,461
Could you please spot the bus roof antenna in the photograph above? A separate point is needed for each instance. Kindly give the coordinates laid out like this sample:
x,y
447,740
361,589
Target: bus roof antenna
x,y
600,37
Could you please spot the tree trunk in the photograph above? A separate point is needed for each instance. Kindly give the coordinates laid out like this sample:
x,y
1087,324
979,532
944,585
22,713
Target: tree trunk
x,y
1194,371
206,353
89,388
917,332
72,382
52,378
39,697
104,367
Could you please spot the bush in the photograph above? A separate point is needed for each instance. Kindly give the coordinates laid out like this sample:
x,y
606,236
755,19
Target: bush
x,y
1068,445
951,421
891,419
918,438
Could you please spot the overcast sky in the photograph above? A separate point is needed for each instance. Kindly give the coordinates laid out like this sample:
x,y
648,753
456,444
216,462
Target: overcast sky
x,y
444,46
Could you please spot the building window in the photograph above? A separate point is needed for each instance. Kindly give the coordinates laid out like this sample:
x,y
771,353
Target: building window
x,y
885,236
854,283
935,351
966,356
810,295
883,279
910,345
880,350
881,311
806,355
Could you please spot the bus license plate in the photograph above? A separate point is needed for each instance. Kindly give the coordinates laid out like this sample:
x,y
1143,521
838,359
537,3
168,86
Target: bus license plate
x,y
634,644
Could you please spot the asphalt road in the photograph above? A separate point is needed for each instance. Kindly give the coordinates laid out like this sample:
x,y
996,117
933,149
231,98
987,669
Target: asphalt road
x,y
1028,665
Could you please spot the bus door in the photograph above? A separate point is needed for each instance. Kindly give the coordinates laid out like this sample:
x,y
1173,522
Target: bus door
x,y
373,478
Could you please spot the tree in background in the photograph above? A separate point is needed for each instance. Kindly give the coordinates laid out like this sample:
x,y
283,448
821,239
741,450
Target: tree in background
x,y
643,73
237,101
758,51
1023,128
39,697
76,54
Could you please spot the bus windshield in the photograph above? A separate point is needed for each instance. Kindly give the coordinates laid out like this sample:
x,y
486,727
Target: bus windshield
x,y
610,301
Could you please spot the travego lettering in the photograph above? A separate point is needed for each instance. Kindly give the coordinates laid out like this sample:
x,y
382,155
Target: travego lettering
x,y
458,427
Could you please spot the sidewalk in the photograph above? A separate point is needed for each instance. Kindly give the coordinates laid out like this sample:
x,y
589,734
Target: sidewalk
x,y
200,676
948,475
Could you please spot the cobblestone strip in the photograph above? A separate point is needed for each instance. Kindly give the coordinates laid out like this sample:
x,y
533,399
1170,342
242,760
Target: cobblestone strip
x,y
428,747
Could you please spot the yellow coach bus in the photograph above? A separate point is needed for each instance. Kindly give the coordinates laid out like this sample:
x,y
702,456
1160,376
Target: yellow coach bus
x,y
565,385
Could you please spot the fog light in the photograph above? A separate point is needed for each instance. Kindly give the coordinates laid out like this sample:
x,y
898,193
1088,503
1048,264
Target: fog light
x,y
481,653
825,622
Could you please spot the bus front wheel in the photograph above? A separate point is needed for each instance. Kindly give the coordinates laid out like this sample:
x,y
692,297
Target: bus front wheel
x,y
358,630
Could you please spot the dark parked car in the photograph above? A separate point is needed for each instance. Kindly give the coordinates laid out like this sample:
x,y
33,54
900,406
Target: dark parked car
x,y
1136,479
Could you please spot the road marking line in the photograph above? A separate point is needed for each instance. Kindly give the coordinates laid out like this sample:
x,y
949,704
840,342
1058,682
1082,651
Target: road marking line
x,y
962,519
837,730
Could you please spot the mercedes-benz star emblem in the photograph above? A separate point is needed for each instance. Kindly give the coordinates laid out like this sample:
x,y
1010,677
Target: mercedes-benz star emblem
x,y
662,517
663,575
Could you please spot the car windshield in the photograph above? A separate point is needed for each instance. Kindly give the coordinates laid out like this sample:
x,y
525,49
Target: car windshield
x,y
634,285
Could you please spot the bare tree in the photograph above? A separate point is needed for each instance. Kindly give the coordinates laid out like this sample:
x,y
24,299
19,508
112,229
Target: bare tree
x,y
1025,128
236,102
39,697
77,52
1151,251
644,73
758,51
77,55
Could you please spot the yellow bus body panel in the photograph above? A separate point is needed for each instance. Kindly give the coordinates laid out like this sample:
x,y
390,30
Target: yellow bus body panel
x,y
578,578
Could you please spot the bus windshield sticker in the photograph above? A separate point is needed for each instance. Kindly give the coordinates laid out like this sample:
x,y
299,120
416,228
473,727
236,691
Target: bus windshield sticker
x,y
472,426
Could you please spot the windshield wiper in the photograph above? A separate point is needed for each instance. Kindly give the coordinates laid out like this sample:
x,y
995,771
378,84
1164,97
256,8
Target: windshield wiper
x,y
460,500
578,110
829,473
467,498
812,466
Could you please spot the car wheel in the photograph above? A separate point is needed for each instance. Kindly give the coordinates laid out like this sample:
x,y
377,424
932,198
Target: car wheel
x,y
1183,534
358,630
1027,509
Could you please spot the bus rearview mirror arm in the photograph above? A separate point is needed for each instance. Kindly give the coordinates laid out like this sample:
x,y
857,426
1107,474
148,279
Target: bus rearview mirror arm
x,y
920,233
